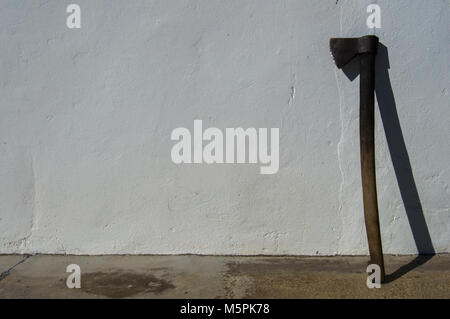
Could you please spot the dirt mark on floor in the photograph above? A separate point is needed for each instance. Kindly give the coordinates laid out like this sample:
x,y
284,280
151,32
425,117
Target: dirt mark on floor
x,y
121,284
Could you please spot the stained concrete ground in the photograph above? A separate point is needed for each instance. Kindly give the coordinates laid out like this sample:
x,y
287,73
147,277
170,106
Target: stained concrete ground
x,y
189,276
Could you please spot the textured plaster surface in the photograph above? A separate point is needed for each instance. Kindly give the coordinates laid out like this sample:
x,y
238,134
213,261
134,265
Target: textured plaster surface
x,y
86,117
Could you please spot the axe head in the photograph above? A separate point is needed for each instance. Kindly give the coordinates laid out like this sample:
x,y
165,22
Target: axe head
x,y
343,50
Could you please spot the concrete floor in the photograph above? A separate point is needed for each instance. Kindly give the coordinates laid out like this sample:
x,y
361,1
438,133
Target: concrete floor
x,y
189,276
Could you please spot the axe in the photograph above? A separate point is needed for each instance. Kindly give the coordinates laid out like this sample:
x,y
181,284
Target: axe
x,y
343,51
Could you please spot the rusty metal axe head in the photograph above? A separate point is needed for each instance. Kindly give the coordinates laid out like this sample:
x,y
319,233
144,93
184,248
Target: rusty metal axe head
x,y
343,50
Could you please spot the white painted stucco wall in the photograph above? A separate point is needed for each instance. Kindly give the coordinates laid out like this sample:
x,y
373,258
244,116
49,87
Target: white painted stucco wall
x,y
86,117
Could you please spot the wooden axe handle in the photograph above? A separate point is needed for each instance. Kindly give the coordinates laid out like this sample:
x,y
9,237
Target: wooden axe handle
x,y
367,148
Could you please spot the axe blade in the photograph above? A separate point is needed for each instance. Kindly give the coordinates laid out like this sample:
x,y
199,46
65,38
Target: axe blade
x,y
343,50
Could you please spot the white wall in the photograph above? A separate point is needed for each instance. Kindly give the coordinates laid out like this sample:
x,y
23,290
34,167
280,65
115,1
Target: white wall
x,y
86,117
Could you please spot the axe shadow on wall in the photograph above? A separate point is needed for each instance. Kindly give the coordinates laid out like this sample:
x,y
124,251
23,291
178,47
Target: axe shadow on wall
x,y
400,160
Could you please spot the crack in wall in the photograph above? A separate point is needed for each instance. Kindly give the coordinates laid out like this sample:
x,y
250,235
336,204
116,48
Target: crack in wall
x,y
27,241
339,144
341,138
292,90
6,273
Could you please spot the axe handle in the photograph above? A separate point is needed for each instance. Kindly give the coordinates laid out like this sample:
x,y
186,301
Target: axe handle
x,y
367,148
